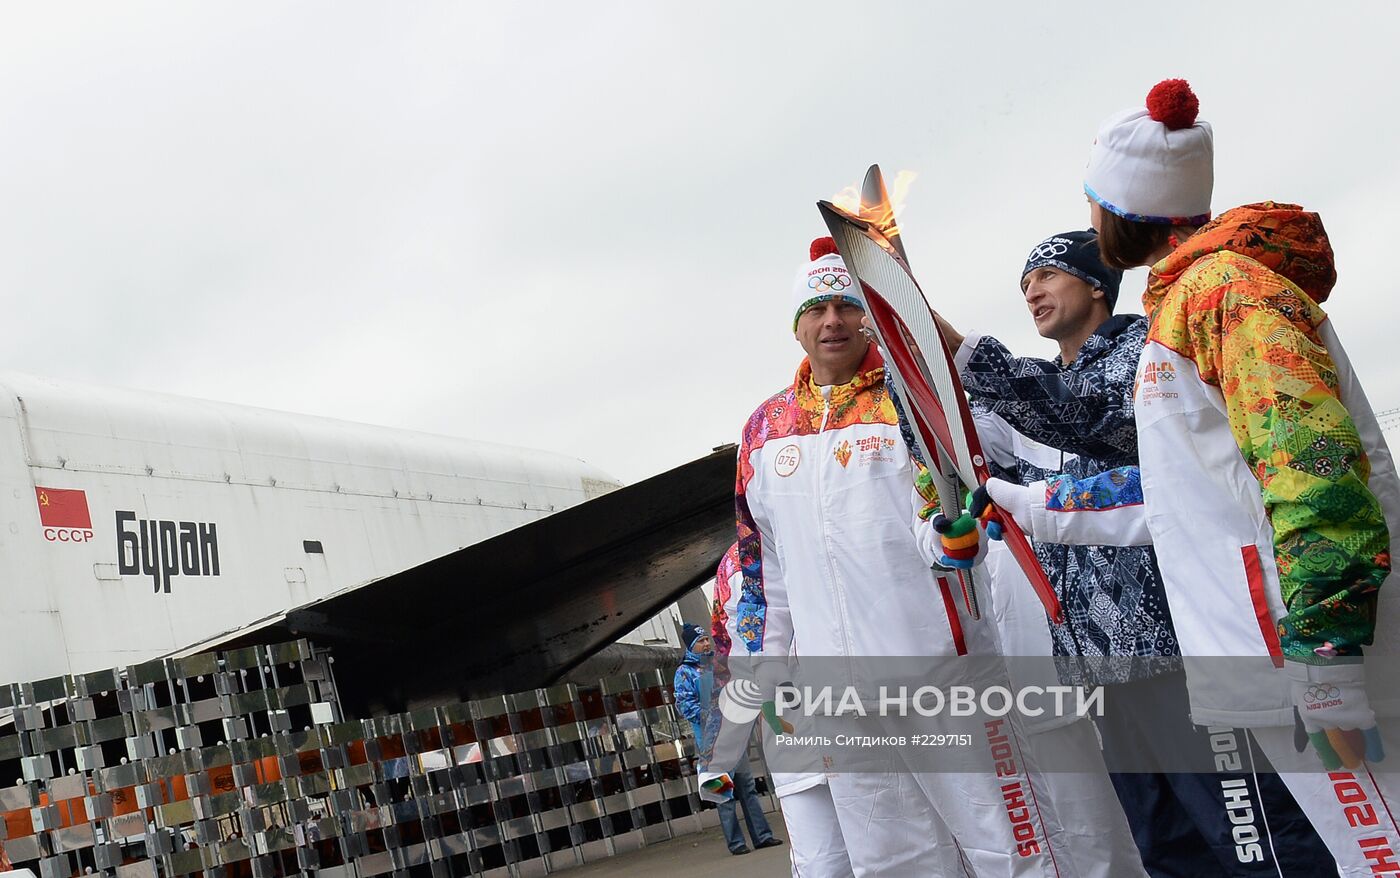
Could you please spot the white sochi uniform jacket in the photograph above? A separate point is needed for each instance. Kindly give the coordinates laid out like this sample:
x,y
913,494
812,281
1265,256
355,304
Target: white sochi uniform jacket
x,y
835,557
1266,484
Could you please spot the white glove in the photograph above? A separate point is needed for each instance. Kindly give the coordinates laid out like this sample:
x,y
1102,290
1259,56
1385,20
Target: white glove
x,y
1014,500
1335,712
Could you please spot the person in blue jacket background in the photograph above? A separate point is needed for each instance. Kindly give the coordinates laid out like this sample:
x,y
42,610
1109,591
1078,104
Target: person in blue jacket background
x,y
697,697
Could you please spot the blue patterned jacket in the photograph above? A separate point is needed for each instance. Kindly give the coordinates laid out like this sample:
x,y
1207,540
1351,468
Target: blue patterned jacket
x,y
1078,420
697,694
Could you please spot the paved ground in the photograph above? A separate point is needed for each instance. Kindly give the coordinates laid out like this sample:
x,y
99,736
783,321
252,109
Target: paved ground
x,y
700,855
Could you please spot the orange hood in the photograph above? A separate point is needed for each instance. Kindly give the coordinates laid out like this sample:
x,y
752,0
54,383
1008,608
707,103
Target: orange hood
x,y
1283,237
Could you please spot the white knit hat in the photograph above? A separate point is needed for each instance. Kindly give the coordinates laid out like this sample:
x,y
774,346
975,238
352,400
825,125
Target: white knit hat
x,y
1155,165
824,277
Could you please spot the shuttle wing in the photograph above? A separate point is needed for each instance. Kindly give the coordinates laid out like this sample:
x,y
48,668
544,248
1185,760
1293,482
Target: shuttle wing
x,y
518,610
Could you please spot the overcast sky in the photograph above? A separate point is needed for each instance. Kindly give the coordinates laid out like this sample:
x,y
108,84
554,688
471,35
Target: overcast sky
x,y
574,226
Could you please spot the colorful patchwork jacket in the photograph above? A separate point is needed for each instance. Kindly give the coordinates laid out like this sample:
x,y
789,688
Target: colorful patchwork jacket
x,y
1028,413
1266,479
834,546
724,607
836,553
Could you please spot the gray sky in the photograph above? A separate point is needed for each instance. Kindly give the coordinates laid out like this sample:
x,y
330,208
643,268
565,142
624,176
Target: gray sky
x,y
574,226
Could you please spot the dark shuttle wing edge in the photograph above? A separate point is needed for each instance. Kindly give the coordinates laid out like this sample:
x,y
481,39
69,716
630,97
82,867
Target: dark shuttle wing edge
x,y
521,609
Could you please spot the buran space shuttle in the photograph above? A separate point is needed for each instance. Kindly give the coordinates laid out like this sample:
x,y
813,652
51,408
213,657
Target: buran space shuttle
x,y
135,525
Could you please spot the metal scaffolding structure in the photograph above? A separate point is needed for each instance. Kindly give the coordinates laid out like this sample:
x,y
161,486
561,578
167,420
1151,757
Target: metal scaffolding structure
x,y
240,763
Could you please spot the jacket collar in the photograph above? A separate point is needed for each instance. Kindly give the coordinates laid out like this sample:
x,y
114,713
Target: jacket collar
x,y
869,373
1103,341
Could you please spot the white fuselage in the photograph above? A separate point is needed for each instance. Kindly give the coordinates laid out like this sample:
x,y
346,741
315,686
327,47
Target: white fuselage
x,y
197,517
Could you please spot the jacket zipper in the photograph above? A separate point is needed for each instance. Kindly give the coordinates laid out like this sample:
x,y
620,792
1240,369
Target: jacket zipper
x,y
827,392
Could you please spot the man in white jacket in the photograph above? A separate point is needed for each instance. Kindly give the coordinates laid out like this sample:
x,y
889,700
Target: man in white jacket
x,y
837,555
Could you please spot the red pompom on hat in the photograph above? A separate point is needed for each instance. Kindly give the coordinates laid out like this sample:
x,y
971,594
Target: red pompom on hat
x,y
1173,103
1155,164
822,247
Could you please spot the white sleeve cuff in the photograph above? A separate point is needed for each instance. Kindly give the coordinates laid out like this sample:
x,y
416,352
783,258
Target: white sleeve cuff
x,y
964,353
1040,525
1343,671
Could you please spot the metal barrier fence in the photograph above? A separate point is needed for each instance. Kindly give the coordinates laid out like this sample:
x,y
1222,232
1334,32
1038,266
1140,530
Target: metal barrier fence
x,y
240,764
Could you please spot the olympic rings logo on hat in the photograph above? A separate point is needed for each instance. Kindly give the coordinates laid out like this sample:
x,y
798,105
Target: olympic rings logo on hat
x,y
829,282
1049,249
1319,692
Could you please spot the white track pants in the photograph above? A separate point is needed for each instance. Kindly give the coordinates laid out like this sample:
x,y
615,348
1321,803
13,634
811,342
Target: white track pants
x,y
814,834
1354,812
1096,836
1000,815
888,826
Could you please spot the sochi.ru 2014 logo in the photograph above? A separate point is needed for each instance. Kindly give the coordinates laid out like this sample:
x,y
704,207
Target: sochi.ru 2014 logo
x,y
1154,372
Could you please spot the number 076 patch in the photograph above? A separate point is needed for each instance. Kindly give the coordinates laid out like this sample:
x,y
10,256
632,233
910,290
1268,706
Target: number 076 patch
x,y
785,464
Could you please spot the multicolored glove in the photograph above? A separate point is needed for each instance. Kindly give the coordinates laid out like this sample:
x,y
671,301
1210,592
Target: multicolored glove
x,y
961,543
1334,712
717,787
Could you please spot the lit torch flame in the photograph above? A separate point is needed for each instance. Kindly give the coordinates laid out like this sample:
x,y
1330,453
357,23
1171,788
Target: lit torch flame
x,y
848,199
